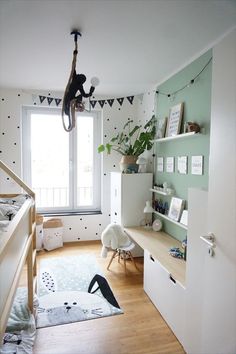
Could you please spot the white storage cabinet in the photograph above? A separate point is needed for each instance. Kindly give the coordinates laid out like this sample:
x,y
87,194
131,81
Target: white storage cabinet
x,y
166,293
129,193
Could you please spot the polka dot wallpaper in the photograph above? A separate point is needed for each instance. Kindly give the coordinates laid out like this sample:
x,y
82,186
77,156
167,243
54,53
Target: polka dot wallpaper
x,y
80,227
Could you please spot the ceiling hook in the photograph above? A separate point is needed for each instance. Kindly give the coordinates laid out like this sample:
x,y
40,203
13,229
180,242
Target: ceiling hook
x,y
76,33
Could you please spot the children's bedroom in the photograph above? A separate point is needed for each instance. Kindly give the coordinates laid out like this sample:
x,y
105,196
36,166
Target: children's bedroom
x,y
117,177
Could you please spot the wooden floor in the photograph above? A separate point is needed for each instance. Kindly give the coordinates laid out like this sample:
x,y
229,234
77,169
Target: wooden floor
x,y
141,329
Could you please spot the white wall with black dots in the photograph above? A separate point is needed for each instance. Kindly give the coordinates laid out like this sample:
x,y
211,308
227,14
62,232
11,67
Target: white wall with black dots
x,y
139,109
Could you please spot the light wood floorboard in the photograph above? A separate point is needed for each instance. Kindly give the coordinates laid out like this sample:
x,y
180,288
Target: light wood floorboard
x,y
140,330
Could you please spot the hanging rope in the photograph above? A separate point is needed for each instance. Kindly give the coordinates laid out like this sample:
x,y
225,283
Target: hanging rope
x,y
71,116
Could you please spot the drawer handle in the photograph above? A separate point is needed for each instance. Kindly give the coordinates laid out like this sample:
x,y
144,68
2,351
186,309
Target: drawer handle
x,y
115,213
152,259
172,279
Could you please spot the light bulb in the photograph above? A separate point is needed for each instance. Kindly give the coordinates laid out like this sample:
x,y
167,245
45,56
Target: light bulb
x,y
95,81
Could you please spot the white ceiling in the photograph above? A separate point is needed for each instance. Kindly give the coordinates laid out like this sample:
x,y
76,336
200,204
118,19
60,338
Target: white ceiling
x,y
129,44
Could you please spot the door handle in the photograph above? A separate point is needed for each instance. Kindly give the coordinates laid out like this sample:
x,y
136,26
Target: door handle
x,y
209,239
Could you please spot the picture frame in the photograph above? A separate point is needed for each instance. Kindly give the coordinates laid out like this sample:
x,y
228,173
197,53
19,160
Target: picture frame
x,y
176,208
160,164
184,218
197,165
170,165
161,128
174,120
182,164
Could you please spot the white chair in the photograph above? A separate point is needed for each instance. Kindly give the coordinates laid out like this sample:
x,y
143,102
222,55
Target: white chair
x,y
113,237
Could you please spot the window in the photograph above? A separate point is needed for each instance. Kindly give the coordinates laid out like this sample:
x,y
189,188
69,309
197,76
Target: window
x,y
62,168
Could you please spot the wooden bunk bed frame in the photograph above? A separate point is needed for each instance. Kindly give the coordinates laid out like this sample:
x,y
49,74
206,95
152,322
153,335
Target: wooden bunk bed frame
x,y
17,247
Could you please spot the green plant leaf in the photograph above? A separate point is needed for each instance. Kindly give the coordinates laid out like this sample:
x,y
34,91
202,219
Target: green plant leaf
x,y
108,147
134,130
121,138
130,141
127,123
115,138
150,123
101,148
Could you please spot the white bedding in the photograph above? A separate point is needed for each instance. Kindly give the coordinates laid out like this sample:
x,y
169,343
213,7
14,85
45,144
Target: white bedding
x,y
9,208
21,329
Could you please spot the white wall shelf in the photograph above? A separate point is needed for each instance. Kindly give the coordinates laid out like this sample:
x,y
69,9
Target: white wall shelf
x,y
161,192
179,136
171,220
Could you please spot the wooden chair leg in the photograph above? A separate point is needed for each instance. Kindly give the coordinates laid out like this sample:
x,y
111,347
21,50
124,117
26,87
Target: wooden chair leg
x,y
132,258
124,256
119,257
112,257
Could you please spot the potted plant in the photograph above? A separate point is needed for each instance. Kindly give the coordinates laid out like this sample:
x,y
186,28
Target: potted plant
x,y
131,142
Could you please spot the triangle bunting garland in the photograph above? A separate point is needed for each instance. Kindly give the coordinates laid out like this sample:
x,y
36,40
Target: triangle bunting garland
x,y
93,103
49,100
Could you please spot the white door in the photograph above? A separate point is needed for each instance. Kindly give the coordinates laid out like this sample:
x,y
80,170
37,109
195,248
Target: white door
x,y
196,263
219,302
211,281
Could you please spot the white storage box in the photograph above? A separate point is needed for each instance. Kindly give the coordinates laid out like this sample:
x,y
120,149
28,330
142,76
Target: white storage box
x,y
52,234
39,231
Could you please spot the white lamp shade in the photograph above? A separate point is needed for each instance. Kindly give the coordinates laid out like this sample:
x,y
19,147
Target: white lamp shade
x,y
95,81
148,208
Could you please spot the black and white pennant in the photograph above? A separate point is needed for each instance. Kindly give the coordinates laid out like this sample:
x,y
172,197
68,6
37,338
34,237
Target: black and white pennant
x,y
120,100
93,103
110,101
130,99
101,102
58,101
42,98
49,99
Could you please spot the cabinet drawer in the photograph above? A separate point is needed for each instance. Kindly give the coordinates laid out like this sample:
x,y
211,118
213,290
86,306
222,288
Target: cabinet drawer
x,y
154,277
165,293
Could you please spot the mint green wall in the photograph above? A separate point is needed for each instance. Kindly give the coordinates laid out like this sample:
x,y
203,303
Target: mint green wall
x,y
197,104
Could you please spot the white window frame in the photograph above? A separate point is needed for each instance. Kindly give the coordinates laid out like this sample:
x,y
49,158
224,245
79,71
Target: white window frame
x,y
26,160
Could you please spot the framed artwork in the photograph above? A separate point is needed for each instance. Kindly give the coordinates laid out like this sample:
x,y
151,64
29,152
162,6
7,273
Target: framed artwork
x,y
175,119
182,164
161,128
176,207
197,165
184,218
170,164
160,164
